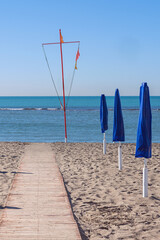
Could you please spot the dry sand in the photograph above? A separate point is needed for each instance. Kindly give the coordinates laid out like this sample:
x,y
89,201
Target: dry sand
x,y
10,155
108,203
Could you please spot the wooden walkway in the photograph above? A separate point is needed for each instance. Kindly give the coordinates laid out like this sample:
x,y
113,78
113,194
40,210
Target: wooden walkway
x,y
38,207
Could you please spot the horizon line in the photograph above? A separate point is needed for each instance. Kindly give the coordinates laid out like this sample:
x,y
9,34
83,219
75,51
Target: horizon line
x,y
74,96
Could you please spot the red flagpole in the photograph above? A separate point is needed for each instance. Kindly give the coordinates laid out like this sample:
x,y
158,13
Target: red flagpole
x,y
64,105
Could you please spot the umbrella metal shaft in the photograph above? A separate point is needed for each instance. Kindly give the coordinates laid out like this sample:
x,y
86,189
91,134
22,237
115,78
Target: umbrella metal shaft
x,y
145,179
104,143
120,156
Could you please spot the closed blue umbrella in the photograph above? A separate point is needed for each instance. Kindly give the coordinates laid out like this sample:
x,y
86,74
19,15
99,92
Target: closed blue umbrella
x,y
144,133
118,126
103,119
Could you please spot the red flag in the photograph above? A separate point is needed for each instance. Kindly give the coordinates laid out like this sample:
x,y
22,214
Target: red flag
x,y
77,55
61,38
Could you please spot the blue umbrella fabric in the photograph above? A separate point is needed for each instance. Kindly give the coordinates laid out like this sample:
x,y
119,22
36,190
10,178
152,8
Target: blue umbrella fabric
x,y
144,132
103,114
118,125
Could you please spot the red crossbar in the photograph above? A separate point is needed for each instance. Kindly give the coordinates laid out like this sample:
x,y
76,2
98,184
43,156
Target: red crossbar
x,y
60,42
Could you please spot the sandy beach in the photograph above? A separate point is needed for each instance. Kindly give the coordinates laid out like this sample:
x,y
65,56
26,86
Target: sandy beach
x,y
107,203
10,155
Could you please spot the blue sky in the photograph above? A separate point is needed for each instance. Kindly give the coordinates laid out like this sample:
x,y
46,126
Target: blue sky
x,y
119,46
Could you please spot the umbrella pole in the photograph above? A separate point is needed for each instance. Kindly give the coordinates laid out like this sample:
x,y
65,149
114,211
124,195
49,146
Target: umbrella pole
x,y
145,179
104,144
120,156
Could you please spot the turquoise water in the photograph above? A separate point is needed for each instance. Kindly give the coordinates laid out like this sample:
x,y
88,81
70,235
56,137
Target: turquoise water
x,y
39,119
74,102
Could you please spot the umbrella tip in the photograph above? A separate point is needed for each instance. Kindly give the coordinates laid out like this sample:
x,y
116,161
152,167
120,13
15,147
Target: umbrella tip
x,y
102,95
144,84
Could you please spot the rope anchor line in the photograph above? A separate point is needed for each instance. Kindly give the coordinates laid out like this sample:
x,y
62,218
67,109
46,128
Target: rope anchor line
x,y
51,75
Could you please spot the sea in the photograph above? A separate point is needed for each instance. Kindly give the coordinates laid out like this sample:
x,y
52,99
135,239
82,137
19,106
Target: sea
x,y
41,119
